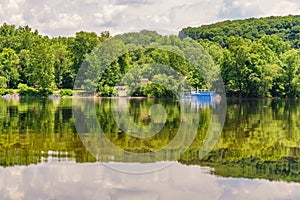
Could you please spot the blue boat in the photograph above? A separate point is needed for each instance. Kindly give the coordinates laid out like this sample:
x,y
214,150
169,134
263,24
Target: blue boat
x,y
200,98
203,93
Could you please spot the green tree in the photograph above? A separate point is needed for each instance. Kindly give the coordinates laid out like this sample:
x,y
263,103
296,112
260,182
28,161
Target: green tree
x,y
3,82
291,74
24,56
9,65
81,46
7,36
275,43
102,69
62,65
265,68
235,65
40,70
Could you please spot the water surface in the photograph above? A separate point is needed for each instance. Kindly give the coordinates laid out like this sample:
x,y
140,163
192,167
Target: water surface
x,y
256,155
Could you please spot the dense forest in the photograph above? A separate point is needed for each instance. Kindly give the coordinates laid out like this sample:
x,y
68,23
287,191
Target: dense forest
x,y
38,64
256,57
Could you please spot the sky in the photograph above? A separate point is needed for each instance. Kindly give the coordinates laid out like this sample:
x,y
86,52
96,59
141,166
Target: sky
x,y
66,17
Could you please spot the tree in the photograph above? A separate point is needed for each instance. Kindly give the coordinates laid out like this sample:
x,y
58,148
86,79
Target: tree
x,y
101,67
7,36
235,65
291,74
9,65
81,46
40,70
265,68
3,82
284,28
62,66
24,56
275,43
104,36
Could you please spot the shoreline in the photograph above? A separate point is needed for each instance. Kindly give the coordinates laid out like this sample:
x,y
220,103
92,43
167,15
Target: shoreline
x,y
76,96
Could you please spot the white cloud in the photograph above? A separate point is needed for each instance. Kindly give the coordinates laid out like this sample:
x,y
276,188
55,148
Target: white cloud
x,y
66,21
11,12
239,9
107,14
281,7
17,19
65,17
257,8
14,4
155,19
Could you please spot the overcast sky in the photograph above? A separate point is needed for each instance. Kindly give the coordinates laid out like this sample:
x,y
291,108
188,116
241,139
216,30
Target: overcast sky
x,y
66,17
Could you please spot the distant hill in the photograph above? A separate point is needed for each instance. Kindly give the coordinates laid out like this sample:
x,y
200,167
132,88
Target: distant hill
x,y
287,28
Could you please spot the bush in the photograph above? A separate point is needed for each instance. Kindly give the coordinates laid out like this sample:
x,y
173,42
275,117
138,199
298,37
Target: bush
x,y
3,82
4,91
44,92
107,91
65,92
25,90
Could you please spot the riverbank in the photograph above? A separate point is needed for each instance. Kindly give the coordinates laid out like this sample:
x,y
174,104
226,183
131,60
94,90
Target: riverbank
x,y
69,93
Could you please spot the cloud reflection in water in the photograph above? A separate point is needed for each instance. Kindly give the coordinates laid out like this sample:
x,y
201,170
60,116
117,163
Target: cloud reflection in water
x,y
69,180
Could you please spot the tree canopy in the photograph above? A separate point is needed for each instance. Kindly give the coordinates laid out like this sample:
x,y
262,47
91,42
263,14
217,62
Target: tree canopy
x,y
40,62
256,58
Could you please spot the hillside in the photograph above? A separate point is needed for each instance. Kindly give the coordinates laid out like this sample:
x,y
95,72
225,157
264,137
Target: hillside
x,y
257,57
287,28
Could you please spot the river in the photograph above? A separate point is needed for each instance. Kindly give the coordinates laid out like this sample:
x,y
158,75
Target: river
x,y
149,148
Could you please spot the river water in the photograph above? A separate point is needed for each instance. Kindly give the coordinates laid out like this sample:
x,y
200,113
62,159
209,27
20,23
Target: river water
x,y
50,149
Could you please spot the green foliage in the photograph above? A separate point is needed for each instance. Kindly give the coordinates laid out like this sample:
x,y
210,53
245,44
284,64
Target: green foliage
x,y
4,91
107,91
143,70
44,92
3,82
40,71
259,56
65,92
82,45
62,66
155,90
9,64
286,28
27,91
291,72
40,62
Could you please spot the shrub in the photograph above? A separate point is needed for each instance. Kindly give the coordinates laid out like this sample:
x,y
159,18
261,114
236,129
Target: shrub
x,y
25,90
107,91
65,92
44,92
3,82
4,91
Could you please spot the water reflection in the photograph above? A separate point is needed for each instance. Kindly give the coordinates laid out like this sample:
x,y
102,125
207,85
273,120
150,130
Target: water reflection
x,y
260,139
198,103
69,180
